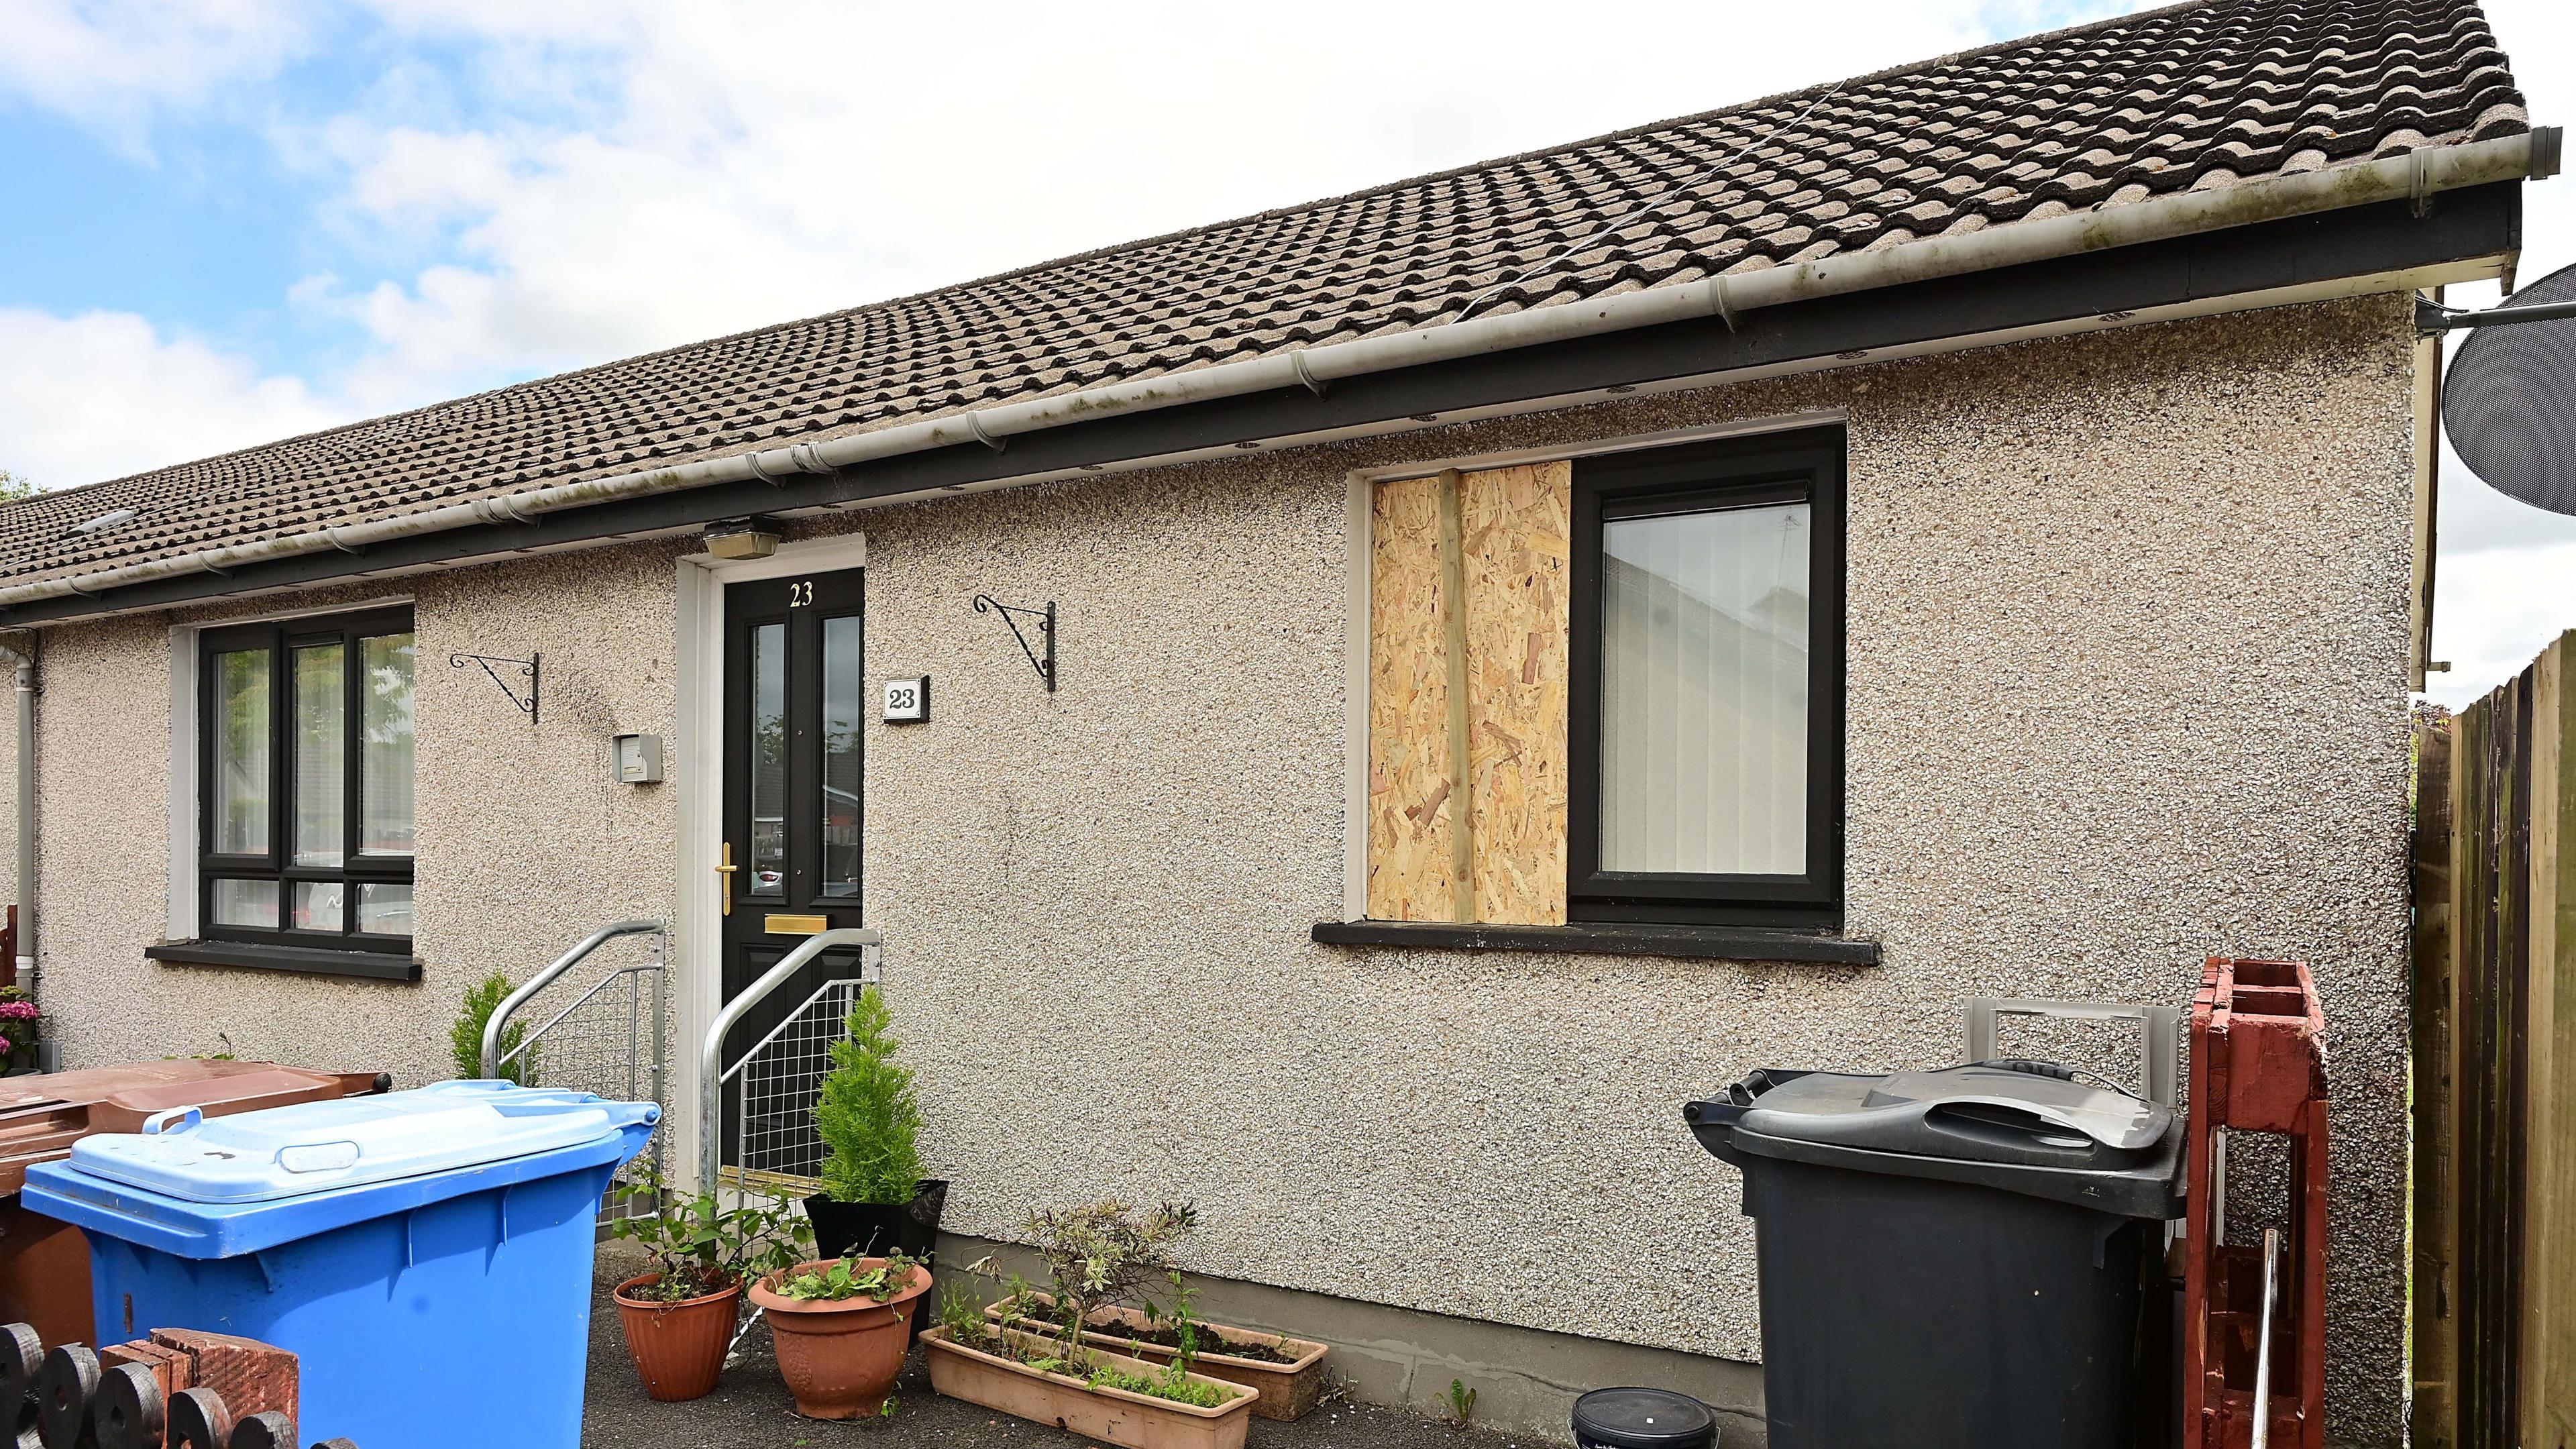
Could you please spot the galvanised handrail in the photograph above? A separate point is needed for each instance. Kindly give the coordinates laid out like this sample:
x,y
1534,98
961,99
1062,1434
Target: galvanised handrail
x,y
711,1071
510,1004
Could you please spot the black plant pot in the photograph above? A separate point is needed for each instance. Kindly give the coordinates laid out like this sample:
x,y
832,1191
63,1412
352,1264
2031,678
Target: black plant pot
x,y
869,1229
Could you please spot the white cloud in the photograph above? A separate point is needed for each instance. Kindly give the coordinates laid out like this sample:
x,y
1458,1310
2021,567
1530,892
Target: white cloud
x,y
112,64
104,394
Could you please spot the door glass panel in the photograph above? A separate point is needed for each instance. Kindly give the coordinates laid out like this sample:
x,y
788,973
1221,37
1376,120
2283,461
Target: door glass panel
x,y
321,757
317,906
384,910
246,903
769,760
384,761
1704,692
843,686
241,753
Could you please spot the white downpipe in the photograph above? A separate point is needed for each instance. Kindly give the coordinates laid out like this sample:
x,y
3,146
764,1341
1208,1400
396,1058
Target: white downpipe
x,y
2413,174
25,798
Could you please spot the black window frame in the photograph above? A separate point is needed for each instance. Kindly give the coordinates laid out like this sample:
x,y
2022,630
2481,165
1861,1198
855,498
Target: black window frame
x,y
281,638
1805,464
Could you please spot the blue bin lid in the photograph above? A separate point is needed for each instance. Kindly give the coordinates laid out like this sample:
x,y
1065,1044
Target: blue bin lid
x,y
314,1147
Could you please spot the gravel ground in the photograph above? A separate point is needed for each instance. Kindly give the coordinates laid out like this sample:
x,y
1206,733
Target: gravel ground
x,y
750,1409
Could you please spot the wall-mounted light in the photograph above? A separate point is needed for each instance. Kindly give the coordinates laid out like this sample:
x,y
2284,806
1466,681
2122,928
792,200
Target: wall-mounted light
x,y
739,538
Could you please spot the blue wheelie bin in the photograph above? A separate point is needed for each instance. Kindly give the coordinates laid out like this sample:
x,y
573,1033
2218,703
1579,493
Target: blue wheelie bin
x,y
425,1254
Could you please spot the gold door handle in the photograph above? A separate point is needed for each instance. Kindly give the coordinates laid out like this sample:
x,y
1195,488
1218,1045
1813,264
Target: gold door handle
x,y
725,872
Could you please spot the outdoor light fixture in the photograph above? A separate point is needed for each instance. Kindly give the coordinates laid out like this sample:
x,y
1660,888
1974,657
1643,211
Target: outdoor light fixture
x,y
738,538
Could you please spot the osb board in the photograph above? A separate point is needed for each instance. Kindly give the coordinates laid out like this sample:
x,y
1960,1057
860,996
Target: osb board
x,y
1516,550
1410,788
1518,546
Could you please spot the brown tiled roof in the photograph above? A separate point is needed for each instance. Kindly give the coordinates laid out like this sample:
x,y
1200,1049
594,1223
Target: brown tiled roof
x,y
2199,95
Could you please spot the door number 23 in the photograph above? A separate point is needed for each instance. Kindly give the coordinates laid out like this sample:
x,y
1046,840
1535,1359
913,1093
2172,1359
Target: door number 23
x,y
800,593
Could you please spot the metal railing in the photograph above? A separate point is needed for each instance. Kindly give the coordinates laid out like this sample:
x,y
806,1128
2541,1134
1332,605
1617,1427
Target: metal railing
x,y
611,1039
779,1074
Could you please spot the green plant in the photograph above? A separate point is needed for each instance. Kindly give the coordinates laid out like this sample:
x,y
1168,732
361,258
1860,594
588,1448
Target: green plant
x,y
867,1114
14,489
1103,1253
1462,1405
1185,1324
701,1246
843,1280
465,1039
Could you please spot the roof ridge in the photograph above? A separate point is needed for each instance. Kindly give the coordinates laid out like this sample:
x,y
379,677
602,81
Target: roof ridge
x,y
1159,239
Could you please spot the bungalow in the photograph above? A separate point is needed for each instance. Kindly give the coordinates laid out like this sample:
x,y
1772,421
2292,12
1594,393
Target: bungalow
x,y
1352,715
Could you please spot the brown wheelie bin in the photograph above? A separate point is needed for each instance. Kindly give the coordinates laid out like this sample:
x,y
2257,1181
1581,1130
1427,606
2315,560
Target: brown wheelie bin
x,y
44,1264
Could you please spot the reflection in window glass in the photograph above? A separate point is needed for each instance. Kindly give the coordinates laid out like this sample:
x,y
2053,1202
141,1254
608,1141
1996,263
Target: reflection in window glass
x,y
321,759
384,910
769,760
317,906
240,781
1704,692
250,903
843,686
385,754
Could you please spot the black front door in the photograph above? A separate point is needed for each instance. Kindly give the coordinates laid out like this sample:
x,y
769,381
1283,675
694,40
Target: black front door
x,y
794,697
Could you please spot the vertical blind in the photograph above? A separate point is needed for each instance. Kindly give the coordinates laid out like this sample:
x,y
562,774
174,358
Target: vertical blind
x,y
1704,648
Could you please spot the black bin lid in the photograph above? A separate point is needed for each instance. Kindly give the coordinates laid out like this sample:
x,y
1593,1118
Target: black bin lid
x,y
2027,1127
1642,1419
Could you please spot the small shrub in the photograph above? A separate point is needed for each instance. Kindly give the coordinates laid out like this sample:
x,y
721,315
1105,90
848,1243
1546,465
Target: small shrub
x,y
700,1246
843,1280
465,1039
867,1114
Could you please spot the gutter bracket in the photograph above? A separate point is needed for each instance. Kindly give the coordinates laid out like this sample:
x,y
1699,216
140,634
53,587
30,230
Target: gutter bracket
x,y
1305,374
760,470
1717,301
343,545
975,423
2419,189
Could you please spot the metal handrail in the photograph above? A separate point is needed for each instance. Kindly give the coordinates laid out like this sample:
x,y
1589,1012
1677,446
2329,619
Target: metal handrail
x,y
711,1072
509,1004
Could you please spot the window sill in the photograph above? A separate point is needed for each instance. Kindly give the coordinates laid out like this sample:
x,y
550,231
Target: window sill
x,y
310,960
1596,938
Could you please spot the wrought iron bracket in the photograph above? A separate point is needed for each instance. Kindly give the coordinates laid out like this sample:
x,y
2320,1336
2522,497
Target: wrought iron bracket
x,y
526,667
1043,664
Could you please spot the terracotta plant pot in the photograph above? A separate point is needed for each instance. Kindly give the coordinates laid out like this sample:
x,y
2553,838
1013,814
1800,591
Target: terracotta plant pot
x,y
1113,1416
839,1357
1288,1390
679,1348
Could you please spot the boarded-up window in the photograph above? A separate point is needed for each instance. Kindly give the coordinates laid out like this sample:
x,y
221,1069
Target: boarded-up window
x,y
1468,620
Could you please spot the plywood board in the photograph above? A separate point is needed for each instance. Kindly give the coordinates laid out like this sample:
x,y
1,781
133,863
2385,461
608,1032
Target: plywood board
x,y
1410,788
1518,547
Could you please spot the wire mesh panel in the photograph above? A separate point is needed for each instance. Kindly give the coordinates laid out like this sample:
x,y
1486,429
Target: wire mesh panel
x,y
606,1036
775,1144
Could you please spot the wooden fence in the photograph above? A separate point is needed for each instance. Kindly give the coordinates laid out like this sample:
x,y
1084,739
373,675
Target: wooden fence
x,y
2494,1018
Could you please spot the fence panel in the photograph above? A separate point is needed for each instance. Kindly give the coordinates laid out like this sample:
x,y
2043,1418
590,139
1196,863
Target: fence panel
x,y
2494,1013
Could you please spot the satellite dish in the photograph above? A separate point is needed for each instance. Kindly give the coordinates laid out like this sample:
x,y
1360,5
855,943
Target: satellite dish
x,y
2510,400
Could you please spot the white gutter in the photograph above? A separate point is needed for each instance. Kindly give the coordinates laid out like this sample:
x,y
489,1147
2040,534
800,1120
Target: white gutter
x,y
2415,174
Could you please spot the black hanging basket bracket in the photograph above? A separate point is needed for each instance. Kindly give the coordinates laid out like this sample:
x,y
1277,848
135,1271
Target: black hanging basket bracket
x,y
527,668
1043,663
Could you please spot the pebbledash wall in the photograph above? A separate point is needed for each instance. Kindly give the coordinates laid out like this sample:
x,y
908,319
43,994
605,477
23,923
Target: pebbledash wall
x,y
2128,635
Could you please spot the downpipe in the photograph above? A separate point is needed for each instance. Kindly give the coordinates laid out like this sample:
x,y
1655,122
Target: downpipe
x,y
19,651
2413,176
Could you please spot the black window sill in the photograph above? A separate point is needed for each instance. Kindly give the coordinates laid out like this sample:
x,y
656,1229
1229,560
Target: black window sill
x,y
310,960
1707,943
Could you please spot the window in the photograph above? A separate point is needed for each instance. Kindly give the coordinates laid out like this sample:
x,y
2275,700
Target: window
x,y
1705,729
305,820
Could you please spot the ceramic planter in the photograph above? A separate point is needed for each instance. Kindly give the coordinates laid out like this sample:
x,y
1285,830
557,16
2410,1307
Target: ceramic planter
x,y
839,1357
679,1348
1287,1390
1112,1416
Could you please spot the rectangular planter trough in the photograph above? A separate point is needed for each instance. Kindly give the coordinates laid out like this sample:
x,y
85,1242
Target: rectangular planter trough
x,y
1287,1390
1113,1416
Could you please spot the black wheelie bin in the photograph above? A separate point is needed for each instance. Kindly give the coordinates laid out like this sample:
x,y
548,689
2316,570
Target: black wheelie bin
x,y
1952,1258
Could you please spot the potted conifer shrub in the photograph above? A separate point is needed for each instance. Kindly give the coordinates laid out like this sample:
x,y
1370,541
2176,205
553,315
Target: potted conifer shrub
x,y
874,1199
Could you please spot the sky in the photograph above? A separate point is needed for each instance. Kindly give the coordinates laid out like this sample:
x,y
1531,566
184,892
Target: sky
x,y
230,221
